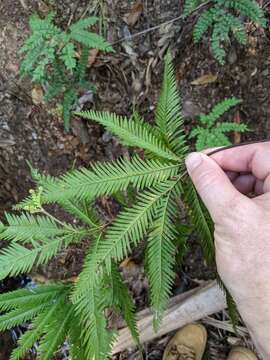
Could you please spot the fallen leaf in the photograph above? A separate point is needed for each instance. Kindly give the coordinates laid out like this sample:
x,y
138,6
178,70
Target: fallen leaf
x,y
37,95
205,79
127,263
93,53
135,14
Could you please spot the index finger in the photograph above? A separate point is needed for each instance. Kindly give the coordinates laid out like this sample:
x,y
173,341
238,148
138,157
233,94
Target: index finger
x,y
253,158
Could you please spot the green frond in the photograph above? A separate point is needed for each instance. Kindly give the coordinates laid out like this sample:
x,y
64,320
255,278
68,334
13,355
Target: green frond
x,y
56,331
52,307
190,6
225,17
68,55
220,36
90,40
17,259
83,24
70,97
228,127
237,28
86,277
251,9
132,133
161,253
108,178
83,211
218,110
168,113
131,225
75,341
97,339
201,220
231,305
122,300
82,63
19,316
39,324
29,228
30,295
204,22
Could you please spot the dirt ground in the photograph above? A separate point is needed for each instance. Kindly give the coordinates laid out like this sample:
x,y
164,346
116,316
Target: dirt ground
x,y
128,79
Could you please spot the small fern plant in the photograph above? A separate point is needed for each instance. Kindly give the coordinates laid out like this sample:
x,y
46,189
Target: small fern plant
x,y
224,18
50,58
77,312
211,133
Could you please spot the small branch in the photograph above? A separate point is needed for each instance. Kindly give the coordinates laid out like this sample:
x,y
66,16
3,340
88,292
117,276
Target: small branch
x,y
183,309
153,28
23,4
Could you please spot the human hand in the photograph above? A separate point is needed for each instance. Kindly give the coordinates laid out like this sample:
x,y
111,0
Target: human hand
x,y
242,227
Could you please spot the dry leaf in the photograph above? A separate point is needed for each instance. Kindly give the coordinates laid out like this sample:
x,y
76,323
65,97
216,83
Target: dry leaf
x,y
205,79
135,14
37,95
127,263
93,53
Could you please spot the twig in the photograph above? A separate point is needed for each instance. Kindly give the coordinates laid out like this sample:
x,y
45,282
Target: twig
x,y
189,307
23,4
153,28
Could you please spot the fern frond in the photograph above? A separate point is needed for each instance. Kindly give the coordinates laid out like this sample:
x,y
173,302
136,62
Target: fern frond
x,y
168,113
237,28
131,132
19,316
108,178
27,228
90,307
201,220
83,24
85,279
39,324
56,332
82,63
83,211
31,295
204,22
228,126
220,36
68,55
17,259
131,225
161,253
90,40
70,97
218,110
122,300
190,6
251,9
75,340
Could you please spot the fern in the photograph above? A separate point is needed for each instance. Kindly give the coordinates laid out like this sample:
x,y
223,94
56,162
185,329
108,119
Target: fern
x,y
161,191
50,58
225,18
212,134
109,178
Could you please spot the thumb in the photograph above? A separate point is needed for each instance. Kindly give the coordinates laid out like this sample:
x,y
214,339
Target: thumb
x,y
212,184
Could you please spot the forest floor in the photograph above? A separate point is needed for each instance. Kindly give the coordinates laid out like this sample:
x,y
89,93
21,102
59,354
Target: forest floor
x,y
127,79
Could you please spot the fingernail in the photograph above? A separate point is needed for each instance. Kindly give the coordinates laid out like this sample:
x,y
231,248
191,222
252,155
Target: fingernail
x,y
193,160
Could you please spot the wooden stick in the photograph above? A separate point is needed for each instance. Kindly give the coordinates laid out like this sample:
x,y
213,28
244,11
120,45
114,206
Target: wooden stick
x,y
183,309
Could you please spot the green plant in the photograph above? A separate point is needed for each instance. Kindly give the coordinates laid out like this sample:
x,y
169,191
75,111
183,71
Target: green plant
x,y
163,190
212,133
224,17
50,58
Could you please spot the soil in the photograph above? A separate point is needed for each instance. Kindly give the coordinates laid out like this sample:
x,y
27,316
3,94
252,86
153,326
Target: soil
x,y
129,78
